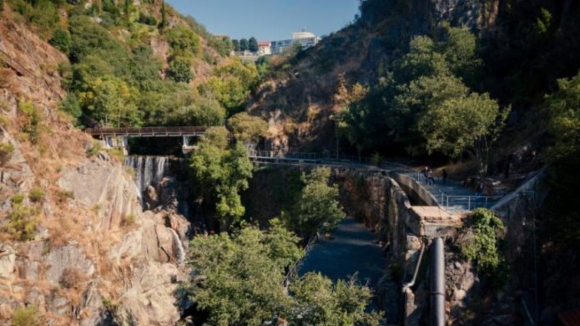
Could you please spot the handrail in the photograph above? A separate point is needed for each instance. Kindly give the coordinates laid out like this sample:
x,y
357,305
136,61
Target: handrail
x,y
410,284
128,131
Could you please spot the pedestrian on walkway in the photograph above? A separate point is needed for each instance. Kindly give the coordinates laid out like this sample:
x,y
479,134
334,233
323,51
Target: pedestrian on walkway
x,y
430,178
425,173
444,177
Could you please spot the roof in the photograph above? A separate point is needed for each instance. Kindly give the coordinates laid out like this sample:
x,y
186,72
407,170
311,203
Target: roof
x,y
264,43
570,318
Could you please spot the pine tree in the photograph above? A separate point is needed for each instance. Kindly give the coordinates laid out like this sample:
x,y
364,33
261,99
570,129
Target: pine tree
x,y
163,23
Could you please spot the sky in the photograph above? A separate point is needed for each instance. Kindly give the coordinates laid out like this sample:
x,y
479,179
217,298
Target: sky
x,y
269,20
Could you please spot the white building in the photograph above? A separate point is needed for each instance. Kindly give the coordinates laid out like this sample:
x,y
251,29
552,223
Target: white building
x,y
264,48
305,39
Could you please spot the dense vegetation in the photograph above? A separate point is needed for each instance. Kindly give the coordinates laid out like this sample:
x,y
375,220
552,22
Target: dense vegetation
x,y
120,75
261,259
426,104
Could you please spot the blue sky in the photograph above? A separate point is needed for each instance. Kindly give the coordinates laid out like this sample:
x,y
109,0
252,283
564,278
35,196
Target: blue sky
x,y
269,20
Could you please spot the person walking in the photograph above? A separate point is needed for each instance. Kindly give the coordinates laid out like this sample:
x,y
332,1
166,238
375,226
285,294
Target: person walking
x,y
430,178
444,177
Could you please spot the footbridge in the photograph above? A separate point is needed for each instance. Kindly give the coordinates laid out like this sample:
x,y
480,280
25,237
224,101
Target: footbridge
x,y
118,137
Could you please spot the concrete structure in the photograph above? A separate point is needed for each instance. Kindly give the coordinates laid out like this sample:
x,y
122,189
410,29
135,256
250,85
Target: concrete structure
x,y
305,39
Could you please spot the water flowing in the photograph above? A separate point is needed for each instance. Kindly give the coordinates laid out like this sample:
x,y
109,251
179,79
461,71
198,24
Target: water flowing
x,y
149,170
179,247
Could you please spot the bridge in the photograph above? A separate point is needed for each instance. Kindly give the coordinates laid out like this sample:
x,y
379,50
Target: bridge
x,y
118,137
451,196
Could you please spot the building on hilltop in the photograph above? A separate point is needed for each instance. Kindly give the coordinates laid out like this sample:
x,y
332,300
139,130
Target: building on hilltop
x,y
304,38
264,48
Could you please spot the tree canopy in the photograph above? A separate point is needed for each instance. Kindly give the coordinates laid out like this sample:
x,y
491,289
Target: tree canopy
x,y
317,208
239,281
219,171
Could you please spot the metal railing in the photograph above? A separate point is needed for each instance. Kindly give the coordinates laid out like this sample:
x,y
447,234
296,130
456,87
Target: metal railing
x,y
452,203
457,202
147,131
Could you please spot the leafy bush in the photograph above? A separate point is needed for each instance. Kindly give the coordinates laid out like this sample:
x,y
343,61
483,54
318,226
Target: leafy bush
x,y
6,150
129,219
61,40
147,20
17,199
22,222
34,116
180,70
64,195
26,316
95,149
481,237
36,195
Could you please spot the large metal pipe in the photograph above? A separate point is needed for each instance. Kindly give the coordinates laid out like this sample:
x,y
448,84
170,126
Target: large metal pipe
x,y
437,283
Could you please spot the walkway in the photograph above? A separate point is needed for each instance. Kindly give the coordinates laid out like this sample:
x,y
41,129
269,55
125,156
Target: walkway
x,y
452,196
187,131
350,250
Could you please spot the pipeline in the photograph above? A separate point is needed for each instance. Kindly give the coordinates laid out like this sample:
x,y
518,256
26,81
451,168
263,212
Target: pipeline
x,y
437,295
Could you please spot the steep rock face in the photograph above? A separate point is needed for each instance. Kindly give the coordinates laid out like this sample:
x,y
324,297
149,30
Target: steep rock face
x,y
103,183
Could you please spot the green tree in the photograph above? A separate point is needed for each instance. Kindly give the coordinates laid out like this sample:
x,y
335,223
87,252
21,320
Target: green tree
x,y
240,277
482,234
563,219
244,45
423,59
318,207
247,128
221,171
180,70
236,45
183,41
163,22
61,40
317,301
111,101
253,44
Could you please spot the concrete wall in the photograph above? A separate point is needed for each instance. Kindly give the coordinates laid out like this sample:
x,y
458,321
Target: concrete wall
x,y
414,189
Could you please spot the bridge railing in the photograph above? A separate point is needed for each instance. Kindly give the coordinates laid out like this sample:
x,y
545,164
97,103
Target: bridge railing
x,y
446,201
462,203
131,131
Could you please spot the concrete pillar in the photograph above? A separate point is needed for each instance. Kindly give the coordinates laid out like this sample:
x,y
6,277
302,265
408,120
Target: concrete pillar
x,y
124,145
185,141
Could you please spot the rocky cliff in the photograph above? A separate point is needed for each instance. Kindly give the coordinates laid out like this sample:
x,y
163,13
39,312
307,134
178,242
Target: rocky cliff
x,y
75,247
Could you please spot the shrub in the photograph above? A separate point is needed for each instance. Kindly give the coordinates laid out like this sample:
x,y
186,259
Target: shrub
x,y
147,20
129,219
26,316
61,40
4,121
481,236
17,199
117,153
71,278
64,195
36,195
22,222
180,70
34,116
6,150
95,150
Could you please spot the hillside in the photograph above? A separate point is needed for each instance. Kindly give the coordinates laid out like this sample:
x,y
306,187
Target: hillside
x,y
76,248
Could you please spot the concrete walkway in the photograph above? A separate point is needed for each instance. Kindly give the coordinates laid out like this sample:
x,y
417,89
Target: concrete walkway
x,y
350,250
